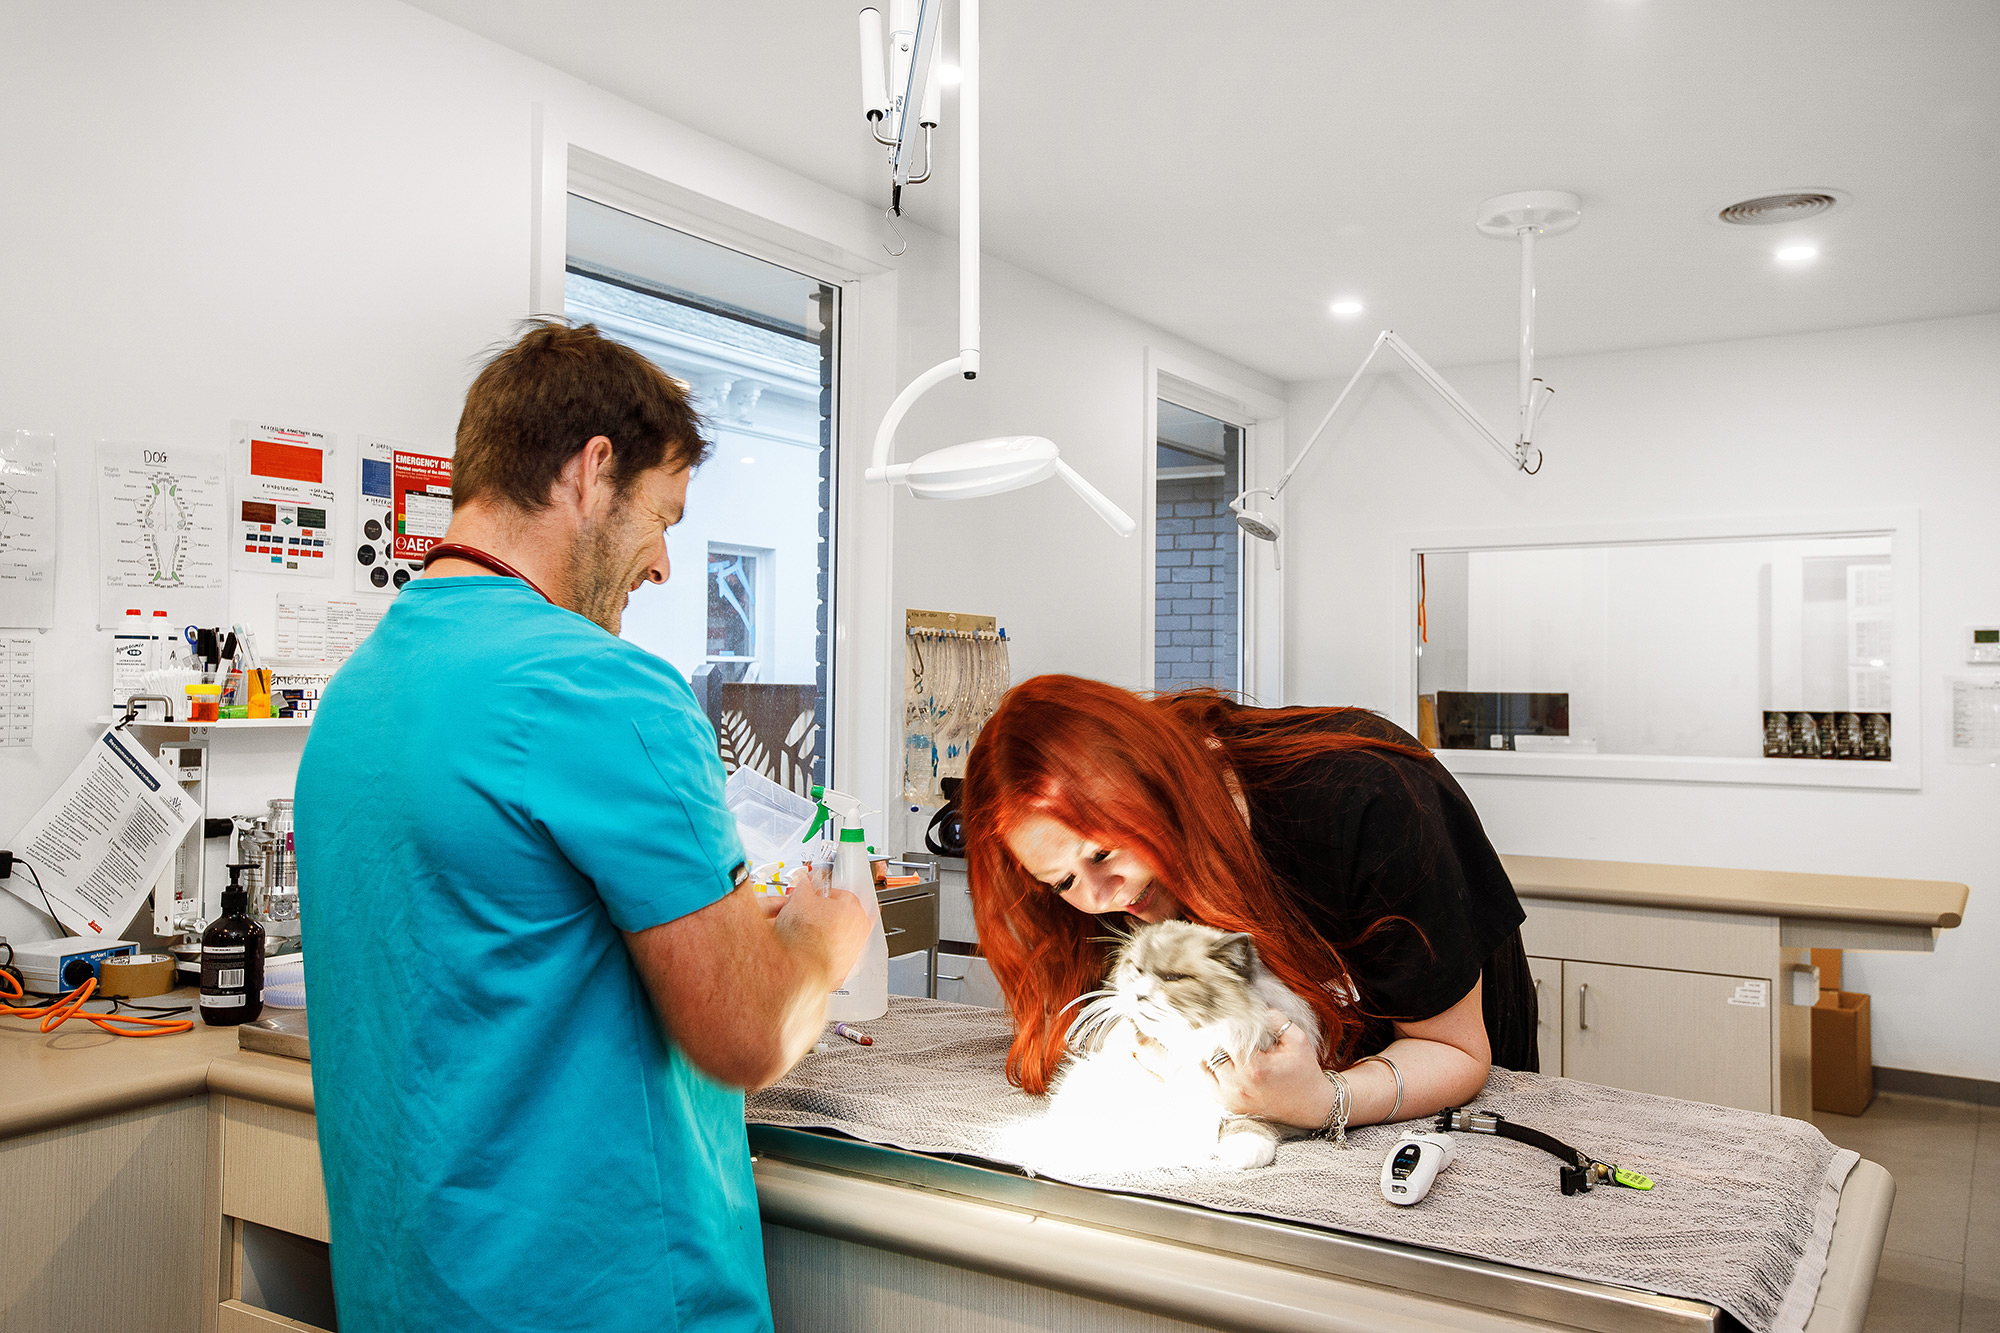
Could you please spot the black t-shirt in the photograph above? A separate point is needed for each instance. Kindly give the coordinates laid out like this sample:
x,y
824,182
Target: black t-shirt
x,y
1360,835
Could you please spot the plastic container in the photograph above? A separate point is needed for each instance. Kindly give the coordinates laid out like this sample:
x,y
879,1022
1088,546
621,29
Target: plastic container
x,y
771,821
204,702
865,993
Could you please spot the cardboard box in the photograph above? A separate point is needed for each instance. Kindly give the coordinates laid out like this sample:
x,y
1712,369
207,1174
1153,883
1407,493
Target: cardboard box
x,y
1828,963
1843,1066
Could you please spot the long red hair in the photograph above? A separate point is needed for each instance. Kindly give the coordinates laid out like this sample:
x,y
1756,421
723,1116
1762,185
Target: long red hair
x,y
1150,775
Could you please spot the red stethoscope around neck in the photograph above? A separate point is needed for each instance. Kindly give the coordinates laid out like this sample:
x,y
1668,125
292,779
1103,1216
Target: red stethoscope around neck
x,y
473,555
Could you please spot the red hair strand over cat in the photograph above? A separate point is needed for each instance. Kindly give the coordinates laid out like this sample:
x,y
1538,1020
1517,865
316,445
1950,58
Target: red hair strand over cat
x,y
1151,775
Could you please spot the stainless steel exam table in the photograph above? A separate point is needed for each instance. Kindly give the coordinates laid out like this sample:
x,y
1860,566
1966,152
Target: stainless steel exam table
x,y
868,1238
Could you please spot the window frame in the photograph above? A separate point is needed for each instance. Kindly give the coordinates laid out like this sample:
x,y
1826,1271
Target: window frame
x,y
719,194
1910,718
1260,605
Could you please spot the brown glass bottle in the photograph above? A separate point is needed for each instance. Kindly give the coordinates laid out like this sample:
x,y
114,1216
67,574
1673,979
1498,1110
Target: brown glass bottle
x,y
232,960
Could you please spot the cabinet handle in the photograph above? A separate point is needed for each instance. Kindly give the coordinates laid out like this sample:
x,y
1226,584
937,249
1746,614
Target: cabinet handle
x,y
1583,1008
900,930
946,976
1541,1015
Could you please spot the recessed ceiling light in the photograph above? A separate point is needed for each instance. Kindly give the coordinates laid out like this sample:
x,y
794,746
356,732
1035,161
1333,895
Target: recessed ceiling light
x,y
949,74
748,459
1797,255
1346,306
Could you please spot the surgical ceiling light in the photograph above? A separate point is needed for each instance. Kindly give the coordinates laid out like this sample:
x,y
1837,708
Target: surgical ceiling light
x,y
1522,216
890,86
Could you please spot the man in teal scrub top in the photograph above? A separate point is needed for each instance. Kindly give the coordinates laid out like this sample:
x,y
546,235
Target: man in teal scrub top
x,y
537,984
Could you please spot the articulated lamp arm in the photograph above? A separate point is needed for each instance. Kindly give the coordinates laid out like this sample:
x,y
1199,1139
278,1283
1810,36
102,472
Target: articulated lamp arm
x,y
1516,453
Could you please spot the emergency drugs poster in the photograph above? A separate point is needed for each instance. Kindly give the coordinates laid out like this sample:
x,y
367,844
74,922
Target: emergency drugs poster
x,y
405,509
285,497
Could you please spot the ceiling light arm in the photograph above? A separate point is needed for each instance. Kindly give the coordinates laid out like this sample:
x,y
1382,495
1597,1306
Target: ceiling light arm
x,y
1390,339
984,467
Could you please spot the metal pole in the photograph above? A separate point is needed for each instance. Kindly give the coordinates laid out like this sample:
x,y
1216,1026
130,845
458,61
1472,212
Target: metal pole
x,y
1527,333
968,188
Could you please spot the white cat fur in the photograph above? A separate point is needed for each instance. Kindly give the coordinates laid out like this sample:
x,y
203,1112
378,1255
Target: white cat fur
x,y
1190,991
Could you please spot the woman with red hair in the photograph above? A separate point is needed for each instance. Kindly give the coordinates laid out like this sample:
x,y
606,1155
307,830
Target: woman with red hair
x,y
1341,846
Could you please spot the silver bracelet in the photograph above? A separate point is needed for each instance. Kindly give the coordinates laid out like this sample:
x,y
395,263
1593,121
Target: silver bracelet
x,y
1336,1115
1399,1082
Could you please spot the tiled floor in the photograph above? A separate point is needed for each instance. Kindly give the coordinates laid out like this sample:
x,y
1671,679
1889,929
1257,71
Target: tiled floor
x,y
1941,1261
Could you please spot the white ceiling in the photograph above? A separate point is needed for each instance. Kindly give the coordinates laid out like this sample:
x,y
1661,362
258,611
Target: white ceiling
x,y
1224,170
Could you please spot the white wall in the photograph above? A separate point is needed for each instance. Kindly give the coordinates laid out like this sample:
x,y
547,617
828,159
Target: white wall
x,y
1067,588
304,214
324,214
1866,418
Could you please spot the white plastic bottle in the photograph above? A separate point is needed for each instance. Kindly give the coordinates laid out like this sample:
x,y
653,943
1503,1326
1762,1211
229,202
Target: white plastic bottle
x,y
865,993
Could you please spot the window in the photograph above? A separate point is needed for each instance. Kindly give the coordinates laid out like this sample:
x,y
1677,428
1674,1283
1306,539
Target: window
x,y
1197,552
746,609
1763,657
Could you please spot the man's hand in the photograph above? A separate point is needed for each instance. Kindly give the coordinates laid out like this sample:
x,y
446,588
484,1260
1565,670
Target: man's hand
x,y
743,992
835,923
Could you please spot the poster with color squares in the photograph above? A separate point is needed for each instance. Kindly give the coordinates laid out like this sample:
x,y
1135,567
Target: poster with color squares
x,y
405,508
285,500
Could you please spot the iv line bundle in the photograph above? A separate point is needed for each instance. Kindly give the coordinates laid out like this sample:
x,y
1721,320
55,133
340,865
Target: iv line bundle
x,y
953,681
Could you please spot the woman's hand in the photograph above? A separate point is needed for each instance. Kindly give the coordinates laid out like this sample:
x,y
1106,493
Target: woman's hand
x,y
1283,1084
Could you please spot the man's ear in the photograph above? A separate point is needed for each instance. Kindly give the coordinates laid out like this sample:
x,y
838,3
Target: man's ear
x,y
586,469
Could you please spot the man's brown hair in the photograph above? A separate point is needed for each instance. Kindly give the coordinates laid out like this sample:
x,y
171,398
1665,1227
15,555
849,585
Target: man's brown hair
x,y
541,400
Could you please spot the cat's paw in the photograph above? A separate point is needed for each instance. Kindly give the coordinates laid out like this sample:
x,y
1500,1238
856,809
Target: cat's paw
x,y
1246,1150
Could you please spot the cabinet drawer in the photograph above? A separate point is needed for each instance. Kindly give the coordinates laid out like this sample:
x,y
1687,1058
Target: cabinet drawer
x,y
910,924
270,1168
236,1317
964,979
1693,1035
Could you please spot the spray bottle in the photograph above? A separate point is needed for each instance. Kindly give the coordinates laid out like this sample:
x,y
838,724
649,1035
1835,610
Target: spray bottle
x,y
865,993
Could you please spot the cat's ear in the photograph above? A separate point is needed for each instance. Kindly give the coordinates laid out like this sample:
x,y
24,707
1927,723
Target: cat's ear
x,y
1236,953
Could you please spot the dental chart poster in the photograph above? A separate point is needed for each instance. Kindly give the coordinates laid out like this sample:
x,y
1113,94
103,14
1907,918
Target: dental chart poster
x,y
160,533
405,508
102,840
284,503
28,531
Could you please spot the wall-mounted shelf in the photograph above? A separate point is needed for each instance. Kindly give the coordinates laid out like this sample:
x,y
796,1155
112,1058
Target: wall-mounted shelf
x,y
223,724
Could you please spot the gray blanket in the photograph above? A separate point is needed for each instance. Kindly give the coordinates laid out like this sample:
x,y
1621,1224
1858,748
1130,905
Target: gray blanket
x,y
1740,1216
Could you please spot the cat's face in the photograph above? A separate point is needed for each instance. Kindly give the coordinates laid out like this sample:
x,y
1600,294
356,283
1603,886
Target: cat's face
x,y
1175,979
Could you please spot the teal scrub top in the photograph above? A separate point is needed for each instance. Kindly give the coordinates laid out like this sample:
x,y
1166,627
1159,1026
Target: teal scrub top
x,y
494,788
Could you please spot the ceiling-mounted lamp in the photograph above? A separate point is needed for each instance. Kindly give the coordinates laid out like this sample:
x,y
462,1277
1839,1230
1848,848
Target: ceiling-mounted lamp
x,y
983,467
1521,216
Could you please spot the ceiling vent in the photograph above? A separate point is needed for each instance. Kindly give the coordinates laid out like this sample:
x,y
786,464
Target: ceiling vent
x,y
1770,209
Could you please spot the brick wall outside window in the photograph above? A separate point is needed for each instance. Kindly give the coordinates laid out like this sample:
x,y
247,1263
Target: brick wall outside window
x,y
1195,622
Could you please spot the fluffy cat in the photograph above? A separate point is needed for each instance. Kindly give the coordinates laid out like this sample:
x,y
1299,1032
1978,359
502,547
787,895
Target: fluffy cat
x,y
1182,992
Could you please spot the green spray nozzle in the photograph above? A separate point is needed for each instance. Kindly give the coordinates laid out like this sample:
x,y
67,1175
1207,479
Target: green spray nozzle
x,y
833,802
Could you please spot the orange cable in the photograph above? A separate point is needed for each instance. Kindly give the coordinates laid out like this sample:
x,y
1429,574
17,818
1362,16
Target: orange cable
x,y
57,1012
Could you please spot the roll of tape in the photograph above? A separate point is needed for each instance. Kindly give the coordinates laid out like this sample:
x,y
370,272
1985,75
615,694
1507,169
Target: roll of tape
x,y
135,976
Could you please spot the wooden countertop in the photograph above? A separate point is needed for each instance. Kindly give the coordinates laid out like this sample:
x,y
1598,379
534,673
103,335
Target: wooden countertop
x,y
1936,904
80,1072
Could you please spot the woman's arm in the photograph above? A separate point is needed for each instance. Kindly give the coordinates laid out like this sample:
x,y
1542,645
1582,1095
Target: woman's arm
x,y
1444,1061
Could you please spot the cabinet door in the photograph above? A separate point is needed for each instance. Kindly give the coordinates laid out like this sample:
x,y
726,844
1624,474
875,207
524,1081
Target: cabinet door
x,y
1693,1035
1548,975
955,907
